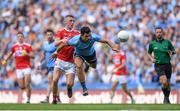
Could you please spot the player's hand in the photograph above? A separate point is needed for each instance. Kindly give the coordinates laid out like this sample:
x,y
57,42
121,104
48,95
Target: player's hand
x,y
153,60
3,62
65,40
115,70
53,56
171,53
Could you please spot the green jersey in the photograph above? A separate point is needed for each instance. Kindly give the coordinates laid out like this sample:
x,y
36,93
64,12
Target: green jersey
x,y
161,49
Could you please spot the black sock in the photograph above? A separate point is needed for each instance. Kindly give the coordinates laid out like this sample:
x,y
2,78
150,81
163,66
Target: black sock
x,y
166,91
69,88
83,84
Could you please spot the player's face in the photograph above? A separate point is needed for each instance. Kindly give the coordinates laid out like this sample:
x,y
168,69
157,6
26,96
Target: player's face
x,y
20,38
49,36
85,37
159,33
69,21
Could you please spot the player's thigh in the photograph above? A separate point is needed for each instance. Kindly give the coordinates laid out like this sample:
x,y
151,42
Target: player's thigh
x,y
168,71
57,73
27,76
161,71
50,74
21,82
50,78
124,86
78,61
93,64
163,79
92,60
114,84
70,79
114,81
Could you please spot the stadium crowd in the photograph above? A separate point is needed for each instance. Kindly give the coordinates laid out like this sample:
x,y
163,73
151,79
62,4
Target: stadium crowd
x,y
106,18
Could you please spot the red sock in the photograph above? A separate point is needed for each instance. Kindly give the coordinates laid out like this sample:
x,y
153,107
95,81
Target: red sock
x,y
54,97
57,97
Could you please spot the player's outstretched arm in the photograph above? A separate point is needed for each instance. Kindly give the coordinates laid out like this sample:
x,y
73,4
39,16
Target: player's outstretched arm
x,y
113,46
59,42
3,62
54,55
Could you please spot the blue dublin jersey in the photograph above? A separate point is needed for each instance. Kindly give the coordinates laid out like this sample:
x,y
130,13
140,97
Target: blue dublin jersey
x,y
84,48
49,48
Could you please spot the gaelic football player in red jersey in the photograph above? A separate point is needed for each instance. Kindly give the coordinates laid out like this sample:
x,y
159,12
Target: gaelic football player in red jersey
x,y
65,63
23,54
120,73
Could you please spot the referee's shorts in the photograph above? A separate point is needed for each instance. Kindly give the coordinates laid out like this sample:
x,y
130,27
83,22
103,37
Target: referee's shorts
x,y
164,69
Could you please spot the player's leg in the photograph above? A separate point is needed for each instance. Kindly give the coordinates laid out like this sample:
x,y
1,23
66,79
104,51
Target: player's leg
x,y
115,82
164,72
27,79
80,72
113,89
49,88
124,87
69,83
56,75
20,80
90,61
70,74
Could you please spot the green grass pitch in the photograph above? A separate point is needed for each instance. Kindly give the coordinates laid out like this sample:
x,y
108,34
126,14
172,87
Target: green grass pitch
x,y
89,107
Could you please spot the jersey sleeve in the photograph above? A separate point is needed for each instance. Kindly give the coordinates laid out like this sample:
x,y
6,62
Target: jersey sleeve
x,y
123,55
29,48
58,35
170,46
12,49
73,41
150,49
96,37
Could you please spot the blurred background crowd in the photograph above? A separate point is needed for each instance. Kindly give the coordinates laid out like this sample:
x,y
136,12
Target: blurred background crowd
x,y
106,18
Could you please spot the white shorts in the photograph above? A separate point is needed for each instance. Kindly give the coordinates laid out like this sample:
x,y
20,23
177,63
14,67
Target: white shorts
x,y
67,67
21,72
120,78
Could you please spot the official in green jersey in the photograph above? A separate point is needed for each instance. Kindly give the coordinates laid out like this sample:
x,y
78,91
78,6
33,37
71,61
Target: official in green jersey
x,y
160,52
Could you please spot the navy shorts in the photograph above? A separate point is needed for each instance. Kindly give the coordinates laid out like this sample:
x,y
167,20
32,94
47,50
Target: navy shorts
x,y
91,59
164,69
50,70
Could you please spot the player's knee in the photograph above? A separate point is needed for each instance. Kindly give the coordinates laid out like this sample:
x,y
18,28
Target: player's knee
x,y
55,81
70,84
27,85
22,87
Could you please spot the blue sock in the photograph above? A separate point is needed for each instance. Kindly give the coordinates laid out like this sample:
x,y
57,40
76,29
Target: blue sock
x,y
83,84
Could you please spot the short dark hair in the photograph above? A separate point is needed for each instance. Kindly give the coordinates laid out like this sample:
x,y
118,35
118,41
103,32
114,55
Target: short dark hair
x,y
49,30
85,29
19,32
158,28
69,16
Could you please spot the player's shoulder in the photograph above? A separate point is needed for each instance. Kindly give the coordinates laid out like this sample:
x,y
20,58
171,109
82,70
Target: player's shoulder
x,y
27,44
154,40
76,37
76,31
60,30
167,40
94,35
15,45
